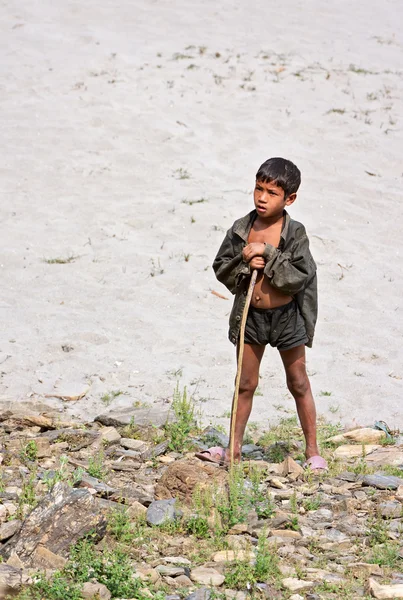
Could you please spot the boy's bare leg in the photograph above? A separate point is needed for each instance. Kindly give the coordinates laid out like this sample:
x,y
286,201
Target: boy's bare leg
x,y
300,388
252,357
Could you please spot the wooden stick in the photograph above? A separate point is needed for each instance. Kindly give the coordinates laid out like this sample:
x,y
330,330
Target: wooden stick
x,y
234,408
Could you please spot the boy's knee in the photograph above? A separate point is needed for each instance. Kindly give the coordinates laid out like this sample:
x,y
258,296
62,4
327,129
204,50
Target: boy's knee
x,y
298,385
248,384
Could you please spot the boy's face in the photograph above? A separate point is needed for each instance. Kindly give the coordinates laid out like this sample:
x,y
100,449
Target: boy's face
x,y
270,199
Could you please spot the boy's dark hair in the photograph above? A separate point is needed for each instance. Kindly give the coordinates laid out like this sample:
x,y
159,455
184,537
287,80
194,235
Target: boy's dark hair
x,y
282,172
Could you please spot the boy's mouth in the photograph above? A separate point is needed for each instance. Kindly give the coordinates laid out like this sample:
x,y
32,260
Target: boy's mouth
x,y
261,207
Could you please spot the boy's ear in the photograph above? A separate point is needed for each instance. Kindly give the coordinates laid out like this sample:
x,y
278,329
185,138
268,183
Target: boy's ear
x,y
291,199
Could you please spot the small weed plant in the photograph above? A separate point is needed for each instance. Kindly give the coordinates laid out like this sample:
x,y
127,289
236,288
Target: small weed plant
x,y
96,467
184,410
29,453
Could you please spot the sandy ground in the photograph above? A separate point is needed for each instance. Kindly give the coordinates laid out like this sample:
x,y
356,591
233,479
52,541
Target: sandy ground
x,y
131,133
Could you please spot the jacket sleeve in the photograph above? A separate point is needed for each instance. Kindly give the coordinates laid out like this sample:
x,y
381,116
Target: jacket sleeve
x,y
228,265
290,272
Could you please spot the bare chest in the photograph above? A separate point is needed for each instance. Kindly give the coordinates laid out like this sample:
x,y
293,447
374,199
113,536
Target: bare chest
x,y
270,235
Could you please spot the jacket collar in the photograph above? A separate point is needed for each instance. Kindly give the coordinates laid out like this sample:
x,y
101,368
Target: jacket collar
x,y
243,226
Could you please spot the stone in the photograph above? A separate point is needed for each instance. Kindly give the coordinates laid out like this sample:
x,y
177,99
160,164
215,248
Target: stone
x,y
63,516
385,591
200,594
15,562
147,574
389,455
390,510
296,597
358,568
110,435
295,585
382,482
235,595
8,529
355,451
213,437
166,570
183,476
290,467
10,580
131,444
136,510
238,529
286,533
177,560
77,439
103,489
155,415
48,560
161,511
231,555
207,576
95,591
399,492
365,435
183,581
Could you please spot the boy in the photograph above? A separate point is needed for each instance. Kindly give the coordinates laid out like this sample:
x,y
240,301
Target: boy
x,y
283,307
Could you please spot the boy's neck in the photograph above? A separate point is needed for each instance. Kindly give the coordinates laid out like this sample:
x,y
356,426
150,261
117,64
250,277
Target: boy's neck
x,y
270,221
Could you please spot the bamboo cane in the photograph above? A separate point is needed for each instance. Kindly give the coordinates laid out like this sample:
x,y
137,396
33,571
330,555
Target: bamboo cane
x,y
241,345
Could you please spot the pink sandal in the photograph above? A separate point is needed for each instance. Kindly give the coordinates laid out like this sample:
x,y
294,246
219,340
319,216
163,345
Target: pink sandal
x,y
216,455
316,464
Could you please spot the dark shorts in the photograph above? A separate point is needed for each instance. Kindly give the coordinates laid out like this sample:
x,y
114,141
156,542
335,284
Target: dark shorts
x,y
282,327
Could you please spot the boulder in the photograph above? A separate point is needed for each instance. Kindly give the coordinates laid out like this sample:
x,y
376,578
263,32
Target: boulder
x,y
10,581
61,518
385,591
155,415
364,435
207,576
161,511
95,591
183,476
382,482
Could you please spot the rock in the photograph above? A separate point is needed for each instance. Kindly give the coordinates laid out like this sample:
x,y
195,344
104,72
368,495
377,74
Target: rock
x,y
110,435
182,477
359,568
161,511
183,581
390,455
296,597
231,555
166,570
289,466
155,451
86,481
76,438
365,435
382,482
8,529
177,560
213,437
10,580
286,533
136,510
156,416
234,595
46,559
238,529
95,591
296,585
355,451
391,510
147,574
15,562
385,591
207,576
200,594
62,517
399,492
131,444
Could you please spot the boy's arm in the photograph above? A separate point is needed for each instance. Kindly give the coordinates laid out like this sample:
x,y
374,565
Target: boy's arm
x,y
228,265
290,272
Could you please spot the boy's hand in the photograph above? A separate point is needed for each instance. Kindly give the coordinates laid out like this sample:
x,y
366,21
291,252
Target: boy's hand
x,y
258,263
252,250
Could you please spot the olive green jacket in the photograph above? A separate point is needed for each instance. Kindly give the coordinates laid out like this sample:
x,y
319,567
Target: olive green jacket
x,y
289,268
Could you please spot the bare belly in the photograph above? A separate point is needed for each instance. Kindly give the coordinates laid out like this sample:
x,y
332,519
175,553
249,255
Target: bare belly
x,y
266,296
